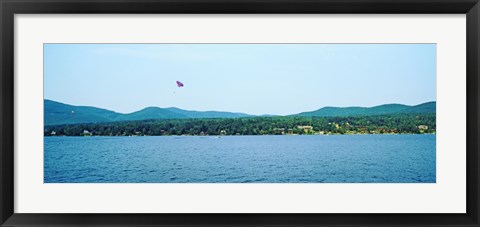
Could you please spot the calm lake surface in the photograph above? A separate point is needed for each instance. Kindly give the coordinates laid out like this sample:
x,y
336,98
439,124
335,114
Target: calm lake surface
x,y
232,159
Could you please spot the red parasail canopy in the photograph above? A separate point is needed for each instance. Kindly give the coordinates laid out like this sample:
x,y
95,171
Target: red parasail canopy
x,y
179,84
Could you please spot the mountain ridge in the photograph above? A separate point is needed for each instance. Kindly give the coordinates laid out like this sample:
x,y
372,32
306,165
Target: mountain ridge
x,y
57,113
328,111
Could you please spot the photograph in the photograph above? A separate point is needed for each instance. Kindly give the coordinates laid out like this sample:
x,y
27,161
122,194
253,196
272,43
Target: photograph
x,y
239,113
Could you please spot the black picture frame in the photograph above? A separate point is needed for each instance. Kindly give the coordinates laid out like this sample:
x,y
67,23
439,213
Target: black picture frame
x,y
9,8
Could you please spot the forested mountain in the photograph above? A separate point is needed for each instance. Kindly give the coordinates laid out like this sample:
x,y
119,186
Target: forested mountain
x,y
429,107
56,113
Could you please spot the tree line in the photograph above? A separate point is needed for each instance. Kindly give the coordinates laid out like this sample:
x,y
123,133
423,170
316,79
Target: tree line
x,y
383,124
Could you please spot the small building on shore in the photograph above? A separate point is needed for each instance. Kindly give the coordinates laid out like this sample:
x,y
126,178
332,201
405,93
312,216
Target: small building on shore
x,y
86,133
423,127
306,128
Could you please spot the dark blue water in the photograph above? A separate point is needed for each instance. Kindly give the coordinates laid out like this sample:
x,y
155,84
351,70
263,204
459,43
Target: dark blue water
x,y
232,159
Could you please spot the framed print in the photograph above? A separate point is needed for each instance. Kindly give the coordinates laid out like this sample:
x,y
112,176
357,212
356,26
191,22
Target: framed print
x,y
199,113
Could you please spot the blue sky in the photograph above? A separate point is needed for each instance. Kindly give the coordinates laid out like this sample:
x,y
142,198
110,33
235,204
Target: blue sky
x,y
250,78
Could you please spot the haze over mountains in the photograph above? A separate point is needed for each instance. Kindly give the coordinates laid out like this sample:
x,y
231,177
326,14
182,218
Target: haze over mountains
x,y
57,113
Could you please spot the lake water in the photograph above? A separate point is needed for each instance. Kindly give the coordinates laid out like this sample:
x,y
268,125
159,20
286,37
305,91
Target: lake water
x,y
247,159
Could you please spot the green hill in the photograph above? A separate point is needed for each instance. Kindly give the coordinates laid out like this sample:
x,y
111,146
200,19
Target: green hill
x,y
57,113
429,107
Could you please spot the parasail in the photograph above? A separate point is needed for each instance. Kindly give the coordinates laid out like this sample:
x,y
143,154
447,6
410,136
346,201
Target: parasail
x,y
179,84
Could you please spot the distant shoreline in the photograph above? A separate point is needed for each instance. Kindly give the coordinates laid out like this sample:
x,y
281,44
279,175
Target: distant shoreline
x,y
351,134
413,123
